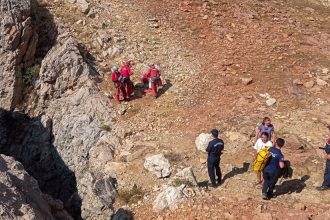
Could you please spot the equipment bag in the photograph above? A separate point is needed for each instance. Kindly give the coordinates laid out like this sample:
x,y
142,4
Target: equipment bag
x,y
262,159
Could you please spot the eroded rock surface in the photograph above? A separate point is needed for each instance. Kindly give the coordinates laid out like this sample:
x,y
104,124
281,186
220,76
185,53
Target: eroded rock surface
x,y
18,42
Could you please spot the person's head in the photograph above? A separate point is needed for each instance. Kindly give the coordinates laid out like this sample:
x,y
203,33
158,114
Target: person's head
x,y
215,133
115,68
127,63
280,142
264,137
152,66
266,121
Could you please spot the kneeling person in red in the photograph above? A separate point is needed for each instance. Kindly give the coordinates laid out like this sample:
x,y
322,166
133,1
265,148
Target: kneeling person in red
x,y
152,76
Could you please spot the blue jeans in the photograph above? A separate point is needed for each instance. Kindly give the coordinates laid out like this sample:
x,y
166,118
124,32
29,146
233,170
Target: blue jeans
x,y
326,181
270,180
213,167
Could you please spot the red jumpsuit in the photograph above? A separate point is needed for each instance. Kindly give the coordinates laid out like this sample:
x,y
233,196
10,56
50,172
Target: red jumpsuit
x,y
153,75
117,79
126,72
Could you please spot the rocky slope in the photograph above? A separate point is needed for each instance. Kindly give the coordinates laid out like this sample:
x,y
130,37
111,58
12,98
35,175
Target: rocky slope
x,y
21,197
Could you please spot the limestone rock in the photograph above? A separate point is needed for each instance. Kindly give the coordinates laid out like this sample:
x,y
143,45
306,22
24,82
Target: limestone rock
x,y
170,197
202,141
298,82
122,214
83,5
321,82
20,193
309,84
18,40
159,165
247,81
186,175
271,101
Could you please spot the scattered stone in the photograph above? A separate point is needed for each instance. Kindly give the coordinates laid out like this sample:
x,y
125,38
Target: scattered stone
x,y
325,70
205,17
298,82
247,81
300,206
159,165
170,198
83,5
321,82
271,101
202,141
309,84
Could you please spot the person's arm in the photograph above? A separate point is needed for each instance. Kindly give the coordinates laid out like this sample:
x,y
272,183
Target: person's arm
x,y
256,136
208,148
328,157
273,137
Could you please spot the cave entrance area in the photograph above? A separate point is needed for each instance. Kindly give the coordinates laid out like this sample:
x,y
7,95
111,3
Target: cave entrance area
x,y
30,141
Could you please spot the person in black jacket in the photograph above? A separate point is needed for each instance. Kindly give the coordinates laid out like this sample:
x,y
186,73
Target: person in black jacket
x,y
214,150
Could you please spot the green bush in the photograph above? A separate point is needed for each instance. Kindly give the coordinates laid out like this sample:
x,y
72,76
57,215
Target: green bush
x,y
31,74
131,195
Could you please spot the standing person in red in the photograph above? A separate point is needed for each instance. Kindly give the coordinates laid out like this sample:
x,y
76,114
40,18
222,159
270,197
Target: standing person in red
x,y
126,72
153,76
117,79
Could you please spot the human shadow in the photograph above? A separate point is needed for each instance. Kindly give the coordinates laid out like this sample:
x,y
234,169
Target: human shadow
x,y
165,87
292,186
139,90
236,171
30,141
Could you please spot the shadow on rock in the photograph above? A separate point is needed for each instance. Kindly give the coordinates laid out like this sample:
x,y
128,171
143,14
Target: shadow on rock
x,y
236,171
46,28
29,141
292,186
123,214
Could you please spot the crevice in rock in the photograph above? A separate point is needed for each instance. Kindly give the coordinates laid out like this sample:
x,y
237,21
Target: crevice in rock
x,y
29,140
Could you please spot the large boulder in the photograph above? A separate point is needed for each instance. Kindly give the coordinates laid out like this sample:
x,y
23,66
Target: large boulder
x,y
159,165
18,42
202,141
185,176
21,197
170,198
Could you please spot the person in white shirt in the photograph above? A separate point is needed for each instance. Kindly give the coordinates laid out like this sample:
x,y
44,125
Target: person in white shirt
x,y
261,143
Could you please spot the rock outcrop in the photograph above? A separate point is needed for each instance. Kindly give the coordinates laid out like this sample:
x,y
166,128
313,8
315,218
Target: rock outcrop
x,y
170,198
202,141
21,197
18,42
159,165
57,143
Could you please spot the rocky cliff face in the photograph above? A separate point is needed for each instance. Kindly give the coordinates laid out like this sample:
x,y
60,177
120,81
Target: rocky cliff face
x,y
68,128
18,44
21,197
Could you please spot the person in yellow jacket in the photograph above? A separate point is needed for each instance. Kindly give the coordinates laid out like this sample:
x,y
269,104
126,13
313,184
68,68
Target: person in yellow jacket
x,y
262,143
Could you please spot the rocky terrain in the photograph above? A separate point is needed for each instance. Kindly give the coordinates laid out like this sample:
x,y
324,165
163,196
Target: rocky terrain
x,y
73,152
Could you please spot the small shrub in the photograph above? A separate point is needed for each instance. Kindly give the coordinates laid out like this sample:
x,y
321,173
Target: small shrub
x,y
173,157
31,74
131,195
179,182
105,128
42,3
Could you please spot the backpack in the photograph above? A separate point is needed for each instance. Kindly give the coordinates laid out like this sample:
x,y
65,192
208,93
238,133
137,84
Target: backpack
x,y
262,159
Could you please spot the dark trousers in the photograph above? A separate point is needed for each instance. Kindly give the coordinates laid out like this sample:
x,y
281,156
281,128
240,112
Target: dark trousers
x,y
213,168
270,180
326,181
